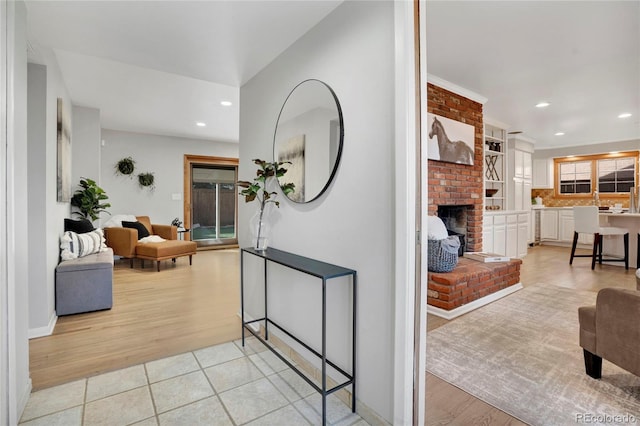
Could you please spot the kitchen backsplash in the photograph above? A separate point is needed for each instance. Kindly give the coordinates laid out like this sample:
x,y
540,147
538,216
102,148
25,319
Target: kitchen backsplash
x,y
548,200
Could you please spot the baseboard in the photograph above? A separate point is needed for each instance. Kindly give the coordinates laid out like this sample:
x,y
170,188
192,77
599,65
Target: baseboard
x,y
454,313
24,398
44,331
362,409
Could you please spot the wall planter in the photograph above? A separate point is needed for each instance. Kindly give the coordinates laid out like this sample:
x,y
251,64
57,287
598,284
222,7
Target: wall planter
x,y
146,180
126,166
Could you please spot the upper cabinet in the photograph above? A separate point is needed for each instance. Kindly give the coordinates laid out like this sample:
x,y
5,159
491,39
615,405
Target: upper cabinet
x,y
520,172
495,169
543,173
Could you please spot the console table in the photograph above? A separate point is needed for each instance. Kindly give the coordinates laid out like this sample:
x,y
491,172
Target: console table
x,y
324,271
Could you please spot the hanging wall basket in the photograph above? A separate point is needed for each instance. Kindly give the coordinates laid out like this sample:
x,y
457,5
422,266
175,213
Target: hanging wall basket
x,y
146,180
126,166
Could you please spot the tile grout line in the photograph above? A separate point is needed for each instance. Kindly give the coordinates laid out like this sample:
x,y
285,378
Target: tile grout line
x,y
153,401
215,392
84,401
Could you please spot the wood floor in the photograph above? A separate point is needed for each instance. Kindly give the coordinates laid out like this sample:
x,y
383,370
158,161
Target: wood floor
x,y
448,405
154,315
182,308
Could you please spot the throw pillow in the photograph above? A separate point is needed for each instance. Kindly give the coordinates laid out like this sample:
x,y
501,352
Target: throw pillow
x,y
142,230
436,229
115,221
75,245
80,226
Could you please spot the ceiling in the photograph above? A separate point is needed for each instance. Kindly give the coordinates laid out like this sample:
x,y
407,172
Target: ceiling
x,y
582,57
161,66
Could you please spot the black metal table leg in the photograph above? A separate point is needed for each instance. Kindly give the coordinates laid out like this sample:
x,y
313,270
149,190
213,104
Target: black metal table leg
x,y
324,351
242,295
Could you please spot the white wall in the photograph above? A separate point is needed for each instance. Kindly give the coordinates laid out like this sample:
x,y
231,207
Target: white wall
x,y
48,214
85,143
16,384
162,155
601,148
352,50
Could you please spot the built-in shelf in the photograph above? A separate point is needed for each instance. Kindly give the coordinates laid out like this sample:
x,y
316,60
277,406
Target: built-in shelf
x,y
495,140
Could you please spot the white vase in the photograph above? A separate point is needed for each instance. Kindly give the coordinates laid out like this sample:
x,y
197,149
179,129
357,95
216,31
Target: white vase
x,y
260,229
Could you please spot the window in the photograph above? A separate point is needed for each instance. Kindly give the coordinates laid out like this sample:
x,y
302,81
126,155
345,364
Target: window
x,y
612,174
616,175
575,177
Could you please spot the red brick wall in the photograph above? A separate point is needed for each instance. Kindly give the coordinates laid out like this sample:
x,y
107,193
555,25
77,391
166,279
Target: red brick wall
x,y
457,184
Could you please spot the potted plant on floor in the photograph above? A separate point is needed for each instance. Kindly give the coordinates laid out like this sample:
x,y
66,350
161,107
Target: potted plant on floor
x,y
257,190
89,200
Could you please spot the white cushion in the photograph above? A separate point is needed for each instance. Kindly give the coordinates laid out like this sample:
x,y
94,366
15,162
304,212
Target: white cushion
x,y
638,273
115,221
436,229
75,245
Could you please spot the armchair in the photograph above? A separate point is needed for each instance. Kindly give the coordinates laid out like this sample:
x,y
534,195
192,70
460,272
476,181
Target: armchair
x,y
124,242
611,330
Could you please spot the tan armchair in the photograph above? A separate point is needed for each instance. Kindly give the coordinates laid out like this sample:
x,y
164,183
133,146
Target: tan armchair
x,y
124,242
611,330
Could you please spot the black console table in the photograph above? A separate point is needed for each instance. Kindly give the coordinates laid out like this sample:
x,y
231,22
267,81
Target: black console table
x,y
324,271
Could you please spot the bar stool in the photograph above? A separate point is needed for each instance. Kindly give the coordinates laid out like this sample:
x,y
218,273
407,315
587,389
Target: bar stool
x,y
586,222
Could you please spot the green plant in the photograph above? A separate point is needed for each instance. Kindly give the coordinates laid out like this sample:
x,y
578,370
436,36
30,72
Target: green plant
x,y
146,180
125,166
89,199
257,190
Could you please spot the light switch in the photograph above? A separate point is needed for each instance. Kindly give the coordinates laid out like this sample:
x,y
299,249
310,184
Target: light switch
x,y
176,196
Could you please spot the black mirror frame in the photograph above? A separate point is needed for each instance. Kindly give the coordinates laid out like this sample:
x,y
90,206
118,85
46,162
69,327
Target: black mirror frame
x,y
340,142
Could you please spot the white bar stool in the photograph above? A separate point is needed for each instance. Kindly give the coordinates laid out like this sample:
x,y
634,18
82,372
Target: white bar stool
x,y
586,222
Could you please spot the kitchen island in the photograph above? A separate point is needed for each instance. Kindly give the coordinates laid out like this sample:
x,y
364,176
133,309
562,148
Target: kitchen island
x,y
614,246
556,227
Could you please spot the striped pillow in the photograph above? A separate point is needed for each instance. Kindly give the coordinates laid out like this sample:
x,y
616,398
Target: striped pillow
x,y
75,245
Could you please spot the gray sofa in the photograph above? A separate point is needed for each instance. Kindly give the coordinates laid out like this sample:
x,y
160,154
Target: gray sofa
x,y
85,284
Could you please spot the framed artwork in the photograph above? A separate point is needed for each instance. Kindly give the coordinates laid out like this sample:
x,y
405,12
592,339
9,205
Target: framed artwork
x,y
293,151
450,140
64,154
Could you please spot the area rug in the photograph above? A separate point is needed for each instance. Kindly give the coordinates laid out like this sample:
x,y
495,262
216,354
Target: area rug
x,y
521,355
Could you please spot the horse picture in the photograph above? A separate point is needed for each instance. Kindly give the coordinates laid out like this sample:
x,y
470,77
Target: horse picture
x,y
453,141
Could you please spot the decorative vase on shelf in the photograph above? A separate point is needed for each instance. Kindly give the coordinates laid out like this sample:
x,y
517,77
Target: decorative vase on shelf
x,y
260,229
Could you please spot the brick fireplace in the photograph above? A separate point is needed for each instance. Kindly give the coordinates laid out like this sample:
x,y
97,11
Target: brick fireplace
x,y
451,184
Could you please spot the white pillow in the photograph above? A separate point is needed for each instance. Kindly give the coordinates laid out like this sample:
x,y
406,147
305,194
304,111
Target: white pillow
x,y
436,229
115,221
75,245
638,273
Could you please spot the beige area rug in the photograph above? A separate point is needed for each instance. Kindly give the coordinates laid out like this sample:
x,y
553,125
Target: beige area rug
x,y
521,355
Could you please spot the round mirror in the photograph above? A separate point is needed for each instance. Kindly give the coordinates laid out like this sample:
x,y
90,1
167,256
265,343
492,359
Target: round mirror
x,y
309,135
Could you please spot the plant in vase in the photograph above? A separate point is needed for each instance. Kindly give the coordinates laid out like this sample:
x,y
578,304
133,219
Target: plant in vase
x,y
89,200
257,190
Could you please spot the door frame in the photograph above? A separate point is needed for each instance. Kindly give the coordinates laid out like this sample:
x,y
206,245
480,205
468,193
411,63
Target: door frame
x,y
189,161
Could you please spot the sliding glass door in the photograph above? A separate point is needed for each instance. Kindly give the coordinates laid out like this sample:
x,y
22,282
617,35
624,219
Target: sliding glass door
x,y
213,202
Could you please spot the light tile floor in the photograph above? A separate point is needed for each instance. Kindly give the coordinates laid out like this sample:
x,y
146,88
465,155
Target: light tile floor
x,y
220,385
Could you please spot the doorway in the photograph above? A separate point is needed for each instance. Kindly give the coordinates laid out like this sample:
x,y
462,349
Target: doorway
x,y
211,201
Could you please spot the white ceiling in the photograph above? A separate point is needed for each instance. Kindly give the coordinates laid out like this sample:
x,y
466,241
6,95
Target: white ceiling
x,y
583,57
160,66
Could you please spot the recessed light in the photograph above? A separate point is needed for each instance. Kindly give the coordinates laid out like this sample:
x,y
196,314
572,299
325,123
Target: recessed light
x,y
226,103
542,104
559,134
625,115
201,124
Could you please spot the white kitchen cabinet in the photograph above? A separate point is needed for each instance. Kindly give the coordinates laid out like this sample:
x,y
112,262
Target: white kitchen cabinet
x,y
506,233
549,225
566,224
519,173
543,173
523,234
512,235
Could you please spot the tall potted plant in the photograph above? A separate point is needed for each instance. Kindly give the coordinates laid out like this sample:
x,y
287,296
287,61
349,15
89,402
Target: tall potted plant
x,y
258,190
89,200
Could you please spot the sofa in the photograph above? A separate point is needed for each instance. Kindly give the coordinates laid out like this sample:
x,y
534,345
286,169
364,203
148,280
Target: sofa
x,y
85,284
125,243
611,330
